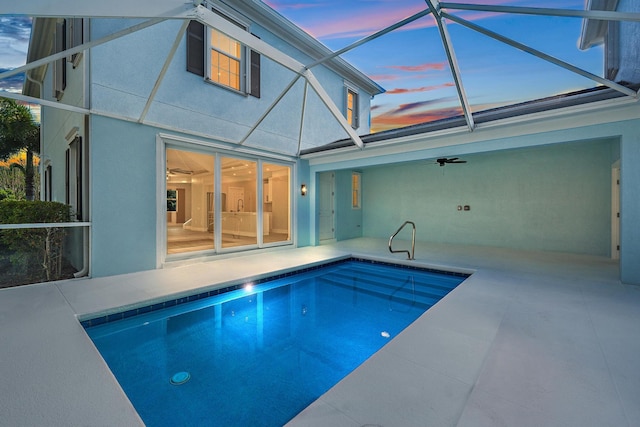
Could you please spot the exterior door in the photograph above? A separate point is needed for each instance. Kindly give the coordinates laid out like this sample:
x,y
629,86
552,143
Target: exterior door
x,y
615,212
326,212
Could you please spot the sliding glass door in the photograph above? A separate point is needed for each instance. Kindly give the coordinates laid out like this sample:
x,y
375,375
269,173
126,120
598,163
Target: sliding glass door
x,y
240,215
276,196
190,208
221,202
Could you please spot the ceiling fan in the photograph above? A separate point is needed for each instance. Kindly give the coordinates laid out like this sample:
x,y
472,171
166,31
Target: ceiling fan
x,y
180,171
441,161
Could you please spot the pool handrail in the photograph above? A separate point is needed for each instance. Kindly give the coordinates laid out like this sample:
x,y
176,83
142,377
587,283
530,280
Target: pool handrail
x,y
410,254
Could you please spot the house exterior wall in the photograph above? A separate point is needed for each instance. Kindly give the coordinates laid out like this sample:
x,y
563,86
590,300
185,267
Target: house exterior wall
x,y
571,128
58,128
125,201
124,71
630,204
115,80
554,198
123,197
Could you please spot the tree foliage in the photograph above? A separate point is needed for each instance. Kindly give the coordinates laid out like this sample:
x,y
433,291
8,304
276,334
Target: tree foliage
x,y
18,131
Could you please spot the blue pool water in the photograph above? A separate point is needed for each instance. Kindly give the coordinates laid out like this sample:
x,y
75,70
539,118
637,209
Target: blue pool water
x,y
258,356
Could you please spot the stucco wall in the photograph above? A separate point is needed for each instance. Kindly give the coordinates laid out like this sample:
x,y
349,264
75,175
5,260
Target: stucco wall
x,y
123,197
554,198
125,70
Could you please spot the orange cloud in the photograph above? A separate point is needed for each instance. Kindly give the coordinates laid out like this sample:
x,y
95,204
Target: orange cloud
x,y
418,89
388,121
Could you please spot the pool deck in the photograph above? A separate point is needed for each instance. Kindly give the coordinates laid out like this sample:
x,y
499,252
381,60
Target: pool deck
x,y
530,339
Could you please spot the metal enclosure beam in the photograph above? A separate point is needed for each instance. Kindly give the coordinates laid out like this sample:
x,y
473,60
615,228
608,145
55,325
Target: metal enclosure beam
x,y
270,109
453,62
160,10
97,9
542,55
304,109
588,14
211,19
79,48
32,100
324,97
373,36
165,67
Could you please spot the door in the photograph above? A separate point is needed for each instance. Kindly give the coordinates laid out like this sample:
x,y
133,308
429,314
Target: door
x,y
615,212
326,211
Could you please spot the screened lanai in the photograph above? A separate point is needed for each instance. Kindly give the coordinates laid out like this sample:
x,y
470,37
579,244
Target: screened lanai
x,y
428,61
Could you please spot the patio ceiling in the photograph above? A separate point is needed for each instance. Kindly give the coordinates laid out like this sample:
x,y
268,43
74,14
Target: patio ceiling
x,y
444,13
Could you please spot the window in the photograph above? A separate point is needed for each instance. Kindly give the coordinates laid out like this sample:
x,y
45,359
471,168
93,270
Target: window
x,y
73,176
351,109
172,200
74,38
47,184
60,65
225,58
355,190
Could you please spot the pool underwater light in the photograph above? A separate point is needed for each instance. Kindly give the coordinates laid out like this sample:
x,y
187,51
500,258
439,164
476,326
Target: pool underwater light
x,y
180,378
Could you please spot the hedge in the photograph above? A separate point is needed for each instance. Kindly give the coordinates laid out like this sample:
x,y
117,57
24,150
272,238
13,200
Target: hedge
x,y
33,254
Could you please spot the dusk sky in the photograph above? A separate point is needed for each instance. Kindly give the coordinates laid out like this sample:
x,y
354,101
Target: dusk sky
x,y
410,63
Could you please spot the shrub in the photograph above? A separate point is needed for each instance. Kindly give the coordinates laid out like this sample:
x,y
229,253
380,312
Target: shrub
x,y
34,254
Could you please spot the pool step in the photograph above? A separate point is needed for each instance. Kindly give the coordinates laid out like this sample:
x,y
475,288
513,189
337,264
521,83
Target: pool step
x,y
437,280
382,296
398,285
405,290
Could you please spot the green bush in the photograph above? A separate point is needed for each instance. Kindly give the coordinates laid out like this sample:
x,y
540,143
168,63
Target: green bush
x,y
34,254
7,194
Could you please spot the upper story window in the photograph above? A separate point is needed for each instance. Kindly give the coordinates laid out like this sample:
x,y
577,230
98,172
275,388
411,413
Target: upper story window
x,y
75,37
60,65
356,196
68,34
225,60
222,59
351,107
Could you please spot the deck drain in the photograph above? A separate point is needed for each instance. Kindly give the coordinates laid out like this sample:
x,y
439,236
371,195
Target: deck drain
x,y
180,378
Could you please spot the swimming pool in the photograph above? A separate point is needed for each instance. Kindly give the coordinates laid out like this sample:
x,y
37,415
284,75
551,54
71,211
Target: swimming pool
x,y
259,354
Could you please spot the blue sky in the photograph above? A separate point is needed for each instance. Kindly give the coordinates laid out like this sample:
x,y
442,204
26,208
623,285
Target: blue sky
x,y
410,63
14,42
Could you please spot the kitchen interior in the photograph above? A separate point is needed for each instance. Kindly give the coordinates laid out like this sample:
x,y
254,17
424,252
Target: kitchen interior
x,y
191,202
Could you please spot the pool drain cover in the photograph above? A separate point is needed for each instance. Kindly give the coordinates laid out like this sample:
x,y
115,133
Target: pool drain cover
x,y
180,378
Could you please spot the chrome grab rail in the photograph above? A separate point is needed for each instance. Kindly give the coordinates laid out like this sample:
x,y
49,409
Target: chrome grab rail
x,y
413,240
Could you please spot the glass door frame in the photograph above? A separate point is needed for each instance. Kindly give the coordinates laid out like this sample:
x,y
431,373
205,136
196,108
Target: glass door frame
x,y
164,142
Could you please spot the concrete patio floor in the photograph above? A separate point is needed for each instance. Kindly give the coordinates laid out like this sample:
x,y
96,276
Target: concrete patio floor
x,y
530,339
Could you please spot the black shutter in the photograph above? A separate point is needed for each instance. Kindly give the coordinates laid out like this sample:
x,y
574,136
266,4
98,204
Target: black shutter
x,y
255,73
195,48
